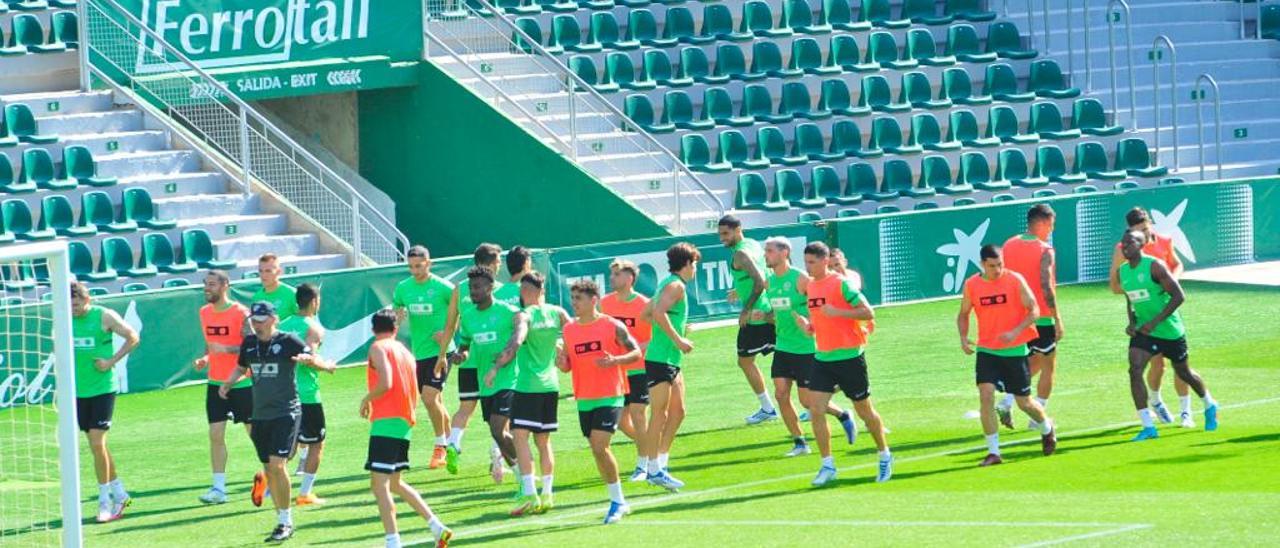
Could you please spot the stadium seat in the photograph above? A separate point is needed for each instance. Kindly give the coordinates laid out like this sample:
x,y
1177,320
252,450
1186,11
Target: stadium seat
x,y
80,261
1091,160
735,151
963,201
757,102
116,255
1132,156
6,237
877,96
846,139
975,171
963,127
696,154
766,61
757,18
845,54
79,166
887,209
877,12
677,109
717,24
808,217
679,25
531,27
1171,181
642,27
1270,21
789,187
158,251
772,145
1046,120
175,282
862,180
968,10
97,210
882,49
835,97
640,110
26,31
753,193
925,206
886,135
694,64
37,168
840,16
796,101
1002,84
924,12
64,29
809,142
138,207
519,7
921,48
717,105
1051,164
935,173
798,16
918,92
558,6
806,55
826,183
1088,116
6,139
566,33
958,87
897,176
605,31
17,277
1004,40
21,123
198,248
1046,80
927,133
621,72
657,68
10,184
1127,185
848,213
1002,123
1011,167
585,68
963,43
1044,193
18,222
56,215
731,63
1003,197
134,287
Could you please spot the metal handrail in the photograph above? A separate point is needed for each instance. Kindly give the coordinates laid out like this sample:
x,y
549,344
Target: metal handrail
x,y
391,236
1217,120
1173,92
1111,53
1031,23
1071,44
1088,48
1045,15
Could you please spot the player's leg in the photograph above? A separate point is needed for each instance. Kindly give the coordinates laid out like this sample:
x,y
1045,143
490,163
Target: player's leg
x,y
1155,377
1184,402
311,438
528,501
217,494
1139,356
659,403
782,394
431,389
1042,367
380,485
818,399
755,340
1016,378
546,465
990,423
675,417
854,381
468,398
599,438
102,470
1177,352
637,401
278,480
411,496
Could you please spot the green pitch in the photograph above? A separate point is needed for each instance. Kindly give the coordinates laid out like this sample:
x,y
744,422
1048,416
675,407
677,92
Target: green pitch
x,y
1188,487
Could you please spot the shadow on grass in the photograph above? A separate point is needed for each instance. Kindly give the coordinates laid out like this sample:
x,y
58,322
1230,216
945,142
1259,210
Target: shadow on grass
x,y
201,519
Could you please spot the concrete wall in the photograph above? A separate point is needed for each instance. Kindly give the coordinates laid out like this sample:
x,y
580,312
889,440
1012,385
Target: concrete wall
x,y
331,120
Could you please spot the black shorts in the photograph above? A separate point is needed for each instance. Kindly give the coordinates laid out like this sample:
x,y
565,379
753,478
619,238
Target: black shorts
x,y
500,403
1173,349
604,419
276,437
535,412
238,406
387,455
638,389
1046,341
468,384
756,339
850,375
95,413
1008,373
427,374
657,373
797,367
312,423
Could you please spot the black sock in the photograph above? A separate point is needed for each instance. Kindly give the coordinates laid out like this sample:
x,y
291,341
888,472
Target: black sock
x,y
800,441
844,417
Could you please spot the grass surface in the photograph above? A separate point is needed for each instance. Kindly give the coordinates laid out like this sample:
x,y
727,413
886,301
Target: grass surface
x,y
1188,487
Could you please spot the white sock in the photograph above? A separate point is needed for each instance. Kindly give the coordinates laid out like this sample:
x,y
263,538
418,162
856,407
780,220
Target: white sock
x,y
1047,426
441,440
642,463
1185,401
615,493
455,437
663,459
1155,398
547,480
885,455
104,493
302,454
993,443
829,462
117,490
285,516
1044,402
766,404
654,467
220,481
1208,400
393,540
1006,403
308,480
1145,416
436,525
526,485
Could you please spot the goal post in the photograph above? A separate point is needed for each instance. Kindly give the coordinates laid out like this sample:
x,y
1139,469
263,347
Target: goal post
x,y
36,351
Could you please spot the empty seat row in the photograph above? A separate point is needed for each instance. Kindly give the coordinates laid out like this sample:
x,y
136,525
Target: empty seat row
x,y
35,5
39,172
27,34
19,126
97,214
116,257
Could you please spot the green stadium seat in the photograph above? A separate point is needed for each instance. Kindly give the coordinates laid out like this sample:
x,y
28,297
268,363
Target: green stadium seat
x,y
158,251
964,201
717,105
840,16
6,237
963,126
97,210
621,72
731,63
531,27
898,177
1127,185
1044,193
64,29
640,110
558,6
846,139
809,217
809,142
678,110
925,206
21,123
585,68
1046,80
1002,123
935,173
924,12
1046,120
835,97
1003,197
734,150
918,92
1091,160
886,135
679,26
757,102
696,153
968,10
878,13
138,208
766,61
806,55
6,139
798,16
566,33
18,222
80,262
642,28
657,68
37,168
1004,40
56,215
8,50
882,49
10,184
862,180
1132,156
26,31
595,4
78,163
753,193
958,87
175,282
17,277
606,32
796,101
1011,166
134,287
197,247
877,96
1088,116
848,213
963,43
846,55
921,48
694,64
927,134
717,24
518,7
826,183
1170,181
975,171
1002,84
116,255
1051,164
757,18
772,145
789,187
1270,21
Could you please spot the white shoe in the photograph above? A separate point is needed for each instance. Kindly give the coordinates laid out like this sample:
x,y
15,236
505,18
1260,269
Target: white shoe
x,y
799,450
885,470
1162,412
762,416
213,496
825,475
104,511
639,474
1187,421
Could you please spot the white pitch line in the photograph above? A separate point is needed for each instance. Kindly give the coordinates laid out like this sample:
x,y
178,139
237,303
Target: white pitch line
x,y
881,523
1084,536
714,490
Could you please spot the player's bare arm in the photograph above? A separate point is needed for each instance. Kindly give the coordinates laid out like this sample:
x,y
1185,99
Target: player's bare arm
x,y
1117,259
758,283
670,296
962,323
450,329
623,337
1048,286
382,370
113,323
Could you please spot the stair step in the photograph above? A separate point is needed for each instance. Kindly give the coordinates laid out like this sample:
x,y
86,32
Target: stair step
x,y
148,163
68,126
205,205
243,248
63,102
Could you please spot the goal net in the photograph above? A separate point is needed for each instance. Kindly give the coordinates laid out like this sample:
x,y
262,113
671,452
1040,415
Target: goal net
x,y
39,457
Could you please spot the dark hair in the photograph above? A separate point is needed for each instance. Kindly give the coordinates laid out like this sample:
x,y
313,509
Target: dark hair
x,y
680,254
220,275
487,254
817,249
305,295
623,265
1136,216
729,221
585,286
517,259
989,251
384,321
79,290
418,252
478,272
535,279
268,257
1039,212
